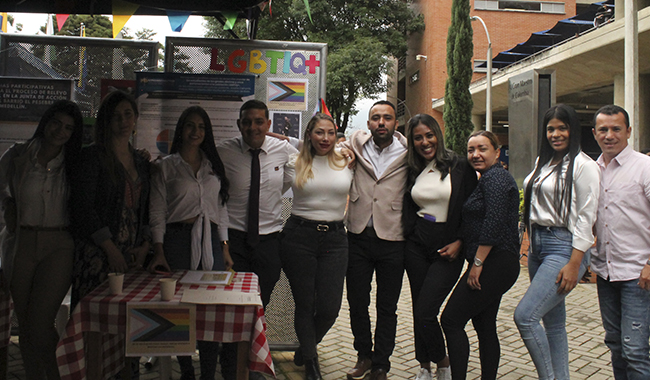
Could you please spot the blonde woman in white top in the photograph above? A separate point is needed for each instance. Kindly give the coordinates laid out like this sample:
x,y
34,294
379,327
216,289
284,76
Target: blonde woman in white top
x,y
561,201
314,241
188,214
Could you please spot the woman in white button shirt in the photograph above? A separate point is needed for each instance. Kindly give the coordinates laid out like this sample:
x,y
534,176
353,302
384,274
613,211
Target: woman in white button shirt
x,y
188,214
314,241
561,200
37,248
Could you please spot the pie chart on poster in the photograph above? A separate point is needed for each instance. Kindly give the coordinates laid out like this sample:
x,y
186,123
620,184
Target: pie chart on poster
x,y
164,140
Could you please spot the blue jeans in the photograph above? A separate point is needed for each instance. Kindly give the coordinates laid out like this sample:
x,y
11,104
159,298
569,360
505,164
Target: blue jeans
x,y
548,346
625,309
315,262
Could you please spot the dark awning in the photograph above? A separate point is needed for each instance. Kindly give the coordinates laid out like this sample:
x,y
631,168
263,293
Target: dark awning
x,y
539,41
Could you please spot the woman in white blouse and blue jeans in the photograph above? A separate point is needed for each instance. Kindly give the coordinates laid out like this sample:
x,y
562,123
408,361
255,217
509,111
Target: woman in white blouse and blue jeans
x,y
314,241
561,200
188,214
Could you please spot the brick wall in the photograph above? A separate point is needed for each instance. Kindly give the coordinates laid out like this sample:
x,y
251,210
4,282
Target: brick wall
x,y
507,28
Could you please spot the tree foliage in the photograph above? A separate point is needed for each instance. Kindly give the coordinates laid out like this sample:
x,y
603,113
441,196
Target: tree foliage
x,y
87,62
362,36
458,100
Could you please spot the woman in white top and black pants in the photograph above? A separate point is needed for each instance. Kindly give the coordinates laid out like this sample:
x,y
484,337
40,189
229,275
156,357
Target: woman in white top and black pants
x,y
188,214
37,246
314,241
438,185
561,201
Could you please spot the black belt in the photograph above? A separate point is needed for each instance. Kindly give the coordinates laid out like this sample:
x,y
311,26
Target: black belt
x,y
318,226
44,229
184,226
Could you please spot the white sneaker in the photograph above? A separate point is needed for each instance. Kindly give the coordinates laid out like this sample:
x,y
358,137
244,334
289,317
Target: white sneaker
x,y
443,373
424,374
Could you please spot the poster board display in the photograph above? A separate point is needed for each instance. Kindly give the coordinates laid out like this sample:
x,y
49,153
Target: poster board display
x,y
22,103
162,97
290,77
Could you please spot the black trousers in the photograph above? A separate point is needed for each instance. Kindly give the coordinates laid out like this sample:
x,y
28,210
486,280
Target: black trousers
x,y
500,272
315,262
432,278
264,260
370,255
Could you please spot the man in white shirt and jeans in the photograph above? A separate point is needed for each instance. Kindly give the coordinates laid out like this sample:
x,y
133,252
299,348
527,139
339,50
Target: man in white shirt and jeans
x,y
622,260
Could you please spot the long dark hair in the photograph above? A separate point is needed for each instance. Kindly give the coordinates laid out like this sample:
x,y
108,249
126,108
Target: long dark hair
x,y
207,146
563,191
104,132
72,147
445,159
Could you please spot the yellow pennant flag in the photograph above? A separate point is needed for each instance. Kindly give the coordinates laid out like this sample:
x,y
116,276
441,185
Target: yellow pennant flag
x,y
3,21
122,12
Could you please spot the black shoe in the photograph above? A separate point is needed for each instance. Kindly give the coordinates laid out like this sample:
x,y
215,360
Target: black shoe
x,y
252,375
297,358
312,370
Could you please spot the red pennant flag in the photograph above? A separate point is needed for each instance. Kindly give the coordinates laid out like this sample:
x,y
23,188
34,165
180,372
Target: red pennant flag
x,y
60,20
323,108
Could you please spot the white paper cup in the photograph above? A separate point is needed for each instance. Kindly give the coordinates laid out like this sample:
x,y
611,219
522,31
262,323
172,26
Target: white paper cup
x,y
167,288
115,282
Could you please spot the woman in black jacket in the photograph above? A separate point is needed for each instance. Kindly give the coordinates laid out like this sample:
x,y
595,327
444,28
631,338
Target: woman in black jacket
x,y
110,199
439,182
490,217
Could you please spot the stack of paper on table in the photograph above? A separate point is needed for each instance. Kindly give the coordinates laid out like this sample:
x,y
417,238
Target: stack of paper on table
x,y
207,277
220,296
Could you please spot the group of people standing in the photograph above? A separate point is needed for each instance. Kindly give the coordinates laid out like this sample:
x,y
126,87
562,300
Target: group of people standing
x,y
75,214
449,215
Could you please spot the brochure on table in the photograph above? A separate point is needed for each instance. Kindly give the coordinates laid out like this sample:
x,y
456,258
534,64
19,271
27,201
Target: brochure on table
x,y
197,277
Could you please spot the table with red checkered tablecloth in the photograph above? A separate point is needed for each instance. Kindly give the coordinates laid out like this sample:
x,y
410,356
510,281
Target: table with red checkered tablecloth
x,y
104,313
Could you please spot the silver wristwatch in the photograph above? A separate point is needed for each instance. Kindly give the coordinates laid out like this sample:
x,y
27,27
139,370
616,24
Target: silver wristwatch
x,y
477,262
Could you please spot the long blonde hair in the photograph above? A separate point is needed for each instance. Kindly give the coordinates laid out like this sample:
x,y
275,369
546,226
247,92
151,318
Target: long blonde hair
x,y
306,155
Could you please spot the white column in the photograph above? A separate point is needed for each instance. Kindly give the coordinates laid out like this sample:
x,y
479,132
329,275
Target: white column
x,y
477,120
632,68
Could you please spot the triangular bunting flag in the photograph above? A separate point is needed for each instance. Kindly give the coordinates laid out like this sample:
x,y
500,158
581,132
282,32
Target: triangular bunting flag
x,y
60,20
324,108
308,10
231,18
122,12
177,19
3,22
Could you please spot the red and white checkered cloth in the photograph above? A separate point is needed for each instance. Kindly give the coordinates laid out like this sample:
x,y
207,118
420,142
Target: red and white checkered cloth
x,y
101,312
6,306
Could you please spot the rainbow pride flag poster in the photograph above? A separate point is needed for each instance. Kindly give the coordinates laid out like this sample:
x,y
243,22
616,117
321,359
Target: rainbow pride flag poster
x,y
160,329
287,94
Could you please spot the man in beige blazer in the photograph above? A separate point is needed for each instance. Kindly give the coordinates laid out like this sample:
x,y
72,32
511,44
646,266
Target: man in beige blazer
x,y
376,244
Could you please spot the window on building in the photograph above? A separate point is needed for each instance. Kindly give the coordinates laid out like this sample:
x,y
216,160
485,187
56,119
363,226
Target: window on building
x,y
519,5
477,63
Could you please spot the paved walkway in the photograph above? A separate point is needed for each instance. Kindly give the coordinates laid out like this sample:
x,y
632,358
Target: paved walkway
x,y
589,357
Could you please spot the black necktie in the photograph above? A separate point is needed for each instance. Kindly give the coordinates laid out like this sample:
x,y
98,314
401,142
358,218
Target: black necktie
x,y
253,236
